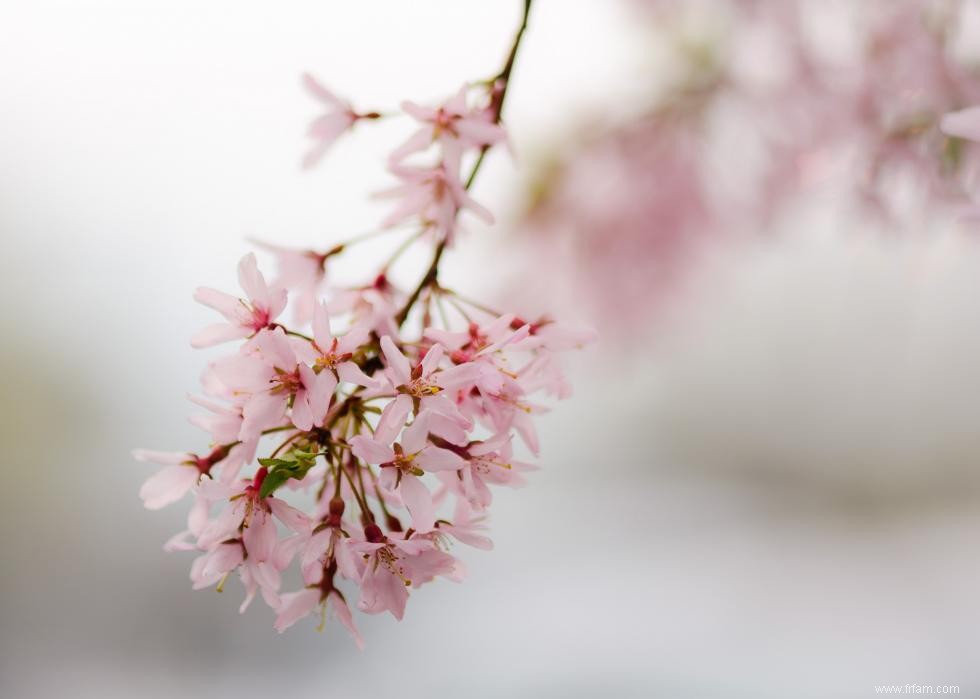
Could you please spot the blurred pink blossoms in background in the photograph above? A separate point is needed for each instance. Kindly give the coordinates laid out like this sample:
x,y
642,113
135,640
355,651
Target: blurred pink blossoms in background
x,y
841,96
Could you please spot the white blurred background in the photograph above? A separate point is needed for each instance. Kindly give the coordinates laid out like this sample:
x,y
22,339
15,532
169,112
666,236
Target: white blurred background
x,y
776,496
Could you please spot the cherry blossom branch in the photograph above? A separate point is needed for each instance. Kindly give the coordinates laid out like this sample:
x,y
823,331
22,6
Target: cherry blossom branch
x,y
500,83
450,399
502,79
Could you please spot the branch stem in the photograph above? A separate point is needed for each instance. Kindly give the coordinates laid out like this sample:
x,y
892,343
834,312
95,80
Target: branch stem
x,y
499,85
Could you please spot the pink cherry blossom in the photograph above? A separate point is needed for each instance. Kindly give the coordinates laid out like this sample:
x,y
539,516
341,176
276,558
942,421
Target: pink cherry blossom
x,y
272,379
331,125
182,473
197,520
403,462
224,424
245,316
426,382
322,549
297,605
487,463
334,354
453,125
505,408
467,528
294,606
394,565
435,196
303,274
374,305
215,565
246,521
259,572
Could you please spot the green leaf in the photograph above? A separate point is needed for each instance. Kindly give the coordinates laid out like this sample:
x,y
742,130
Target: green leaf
x,y
305,458
272,481
272,463
281,470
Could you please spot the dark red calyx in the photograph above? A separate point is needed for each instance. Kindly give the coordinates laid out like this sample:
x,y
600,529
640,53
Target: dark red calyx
x,y
393,523
336,511
373,534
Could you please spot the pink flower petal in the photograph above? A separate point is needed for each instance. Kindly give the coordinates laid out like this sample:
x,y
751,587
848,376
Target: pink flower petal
x,y
262,411
316,89
430,362
416,434
321,327
418,500
218,333
260,536
295,606
435,459
251,279
371,451
382,591
342,611
320,394
963,124
165,458
168,485
302,416
351,373
397,362
393,419
290,516
227,305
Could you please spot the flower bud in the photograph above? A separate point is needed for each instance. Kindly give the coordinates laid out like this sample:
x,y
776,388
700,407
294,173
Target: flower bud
x,y
373,533
336,511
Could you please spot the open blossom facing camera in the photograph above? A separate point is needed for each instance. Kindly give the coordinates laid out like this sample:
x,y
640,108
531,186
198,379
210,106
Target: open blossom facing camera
x,y
244,316
454,125
382,430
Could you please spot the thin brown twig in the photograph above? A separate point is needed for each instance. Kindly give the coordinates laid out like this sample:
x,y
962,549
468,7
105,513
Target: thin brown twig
x,y
500,83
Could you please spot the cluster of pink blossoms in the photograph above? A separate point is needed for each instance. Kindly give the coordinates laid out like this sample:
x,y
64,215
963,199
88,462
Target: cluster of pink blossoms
x,y
380,444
